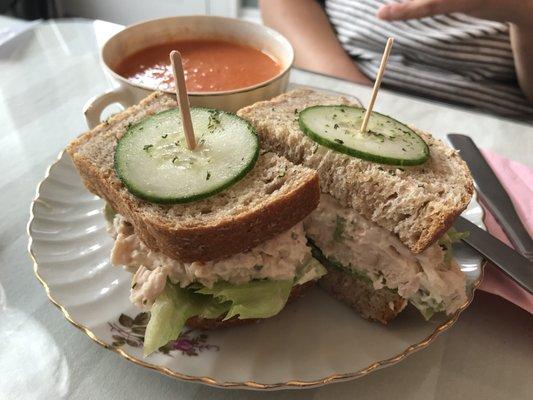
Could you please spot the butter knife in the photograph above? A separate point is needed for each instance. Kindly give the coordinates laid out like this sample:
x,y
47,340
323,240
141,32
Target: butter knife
x,y
517,267
493,195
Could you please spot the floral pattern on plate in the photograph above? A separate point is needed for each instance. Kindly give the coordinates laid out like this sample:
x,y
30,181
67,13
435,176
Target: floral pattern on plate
x,y
130,331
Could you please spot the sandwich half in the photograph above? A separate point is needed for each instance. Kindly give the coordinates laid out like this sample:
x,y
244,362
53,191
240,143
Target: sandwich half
x,y
382,231
237,256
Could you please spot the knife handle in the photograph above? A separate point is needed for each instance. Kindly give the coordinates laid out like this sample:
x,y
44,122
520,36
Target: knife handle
x,y
493,195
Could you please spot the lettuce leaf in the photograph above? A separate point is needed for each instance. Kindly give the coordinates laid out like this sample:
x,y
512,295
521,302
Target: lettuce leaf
x,y
255,299
427,305
448,239
427,312
340,226
175,305
109,213
311,270
213,308
172,308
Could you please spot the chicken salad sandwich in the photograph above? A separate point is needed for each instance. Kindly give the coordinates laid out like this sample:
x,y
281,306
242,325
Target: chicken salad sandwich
x,y
214,236
389,198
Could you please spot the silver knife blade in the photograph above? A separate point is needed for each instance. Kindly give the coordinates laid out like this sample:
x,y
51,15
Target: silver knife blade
x,y
493,195
516,266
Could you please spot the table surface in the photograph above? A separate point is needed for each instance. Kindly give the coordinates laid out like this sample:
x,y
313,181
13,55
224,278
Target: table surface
x,y
45,78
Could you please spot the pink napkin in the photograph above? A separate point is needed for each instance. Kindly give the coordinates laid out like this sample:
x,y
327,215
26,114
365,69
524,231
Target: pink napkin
x,y
517,179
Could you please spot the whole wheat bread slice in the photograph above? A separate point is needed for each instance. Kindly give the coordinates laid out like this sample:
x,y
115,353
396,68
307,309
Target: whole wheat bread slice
x,y
270,199
418,204
381,305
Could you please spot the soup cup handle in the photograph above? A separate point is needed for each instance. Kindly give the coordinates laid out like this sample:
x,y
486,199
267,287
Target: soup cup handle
x,y
94,107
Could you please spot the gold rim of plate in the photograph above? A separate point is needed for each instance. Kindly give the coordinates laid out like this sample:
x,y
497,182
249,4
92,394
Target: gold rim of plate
x,y
246,384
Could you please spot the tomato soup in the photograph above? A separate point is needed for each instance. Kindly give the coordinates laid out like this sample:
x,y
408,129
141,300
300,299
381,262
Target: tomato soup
x,y
209,65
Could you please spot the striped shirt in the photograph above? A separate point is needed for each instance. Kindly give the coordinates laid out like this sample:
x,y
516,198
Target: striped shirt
x,y
454,58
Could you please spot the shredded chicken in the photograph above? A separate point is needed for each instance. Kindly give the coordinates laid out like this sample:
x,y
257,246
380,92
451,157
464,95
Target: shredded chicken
x,y
356,243
276,259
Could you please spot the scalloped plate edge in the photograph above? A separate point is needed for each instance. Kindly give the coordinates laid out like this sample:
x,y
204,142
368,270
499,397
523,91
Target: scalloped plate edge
x,y
292,384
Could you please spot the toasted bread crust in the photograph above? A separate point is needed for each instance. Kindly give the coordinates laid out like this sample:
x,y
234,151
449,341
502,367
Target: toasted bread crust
x,y
218,323
204,243
417,204
380,305
205,240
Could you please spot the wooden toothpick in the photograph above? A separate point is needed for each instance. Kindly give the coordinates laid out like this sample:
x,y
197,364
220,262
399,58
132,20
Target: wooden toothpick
x,y
377,83
183,99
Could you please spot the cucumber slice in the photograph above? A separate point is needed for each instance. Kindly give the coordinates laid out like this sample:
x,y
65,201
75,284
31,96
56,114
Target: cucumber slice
x,y
386,141
154,163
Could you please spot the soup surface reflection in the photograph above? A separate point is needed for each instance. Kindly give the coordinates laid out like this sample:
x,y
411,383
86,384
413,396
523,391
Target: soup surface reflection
x,y
209,65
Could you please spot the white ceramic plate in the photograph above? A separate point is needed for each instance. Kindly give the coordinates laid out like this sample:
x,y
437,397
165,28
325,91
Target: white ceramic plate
x,y
314,341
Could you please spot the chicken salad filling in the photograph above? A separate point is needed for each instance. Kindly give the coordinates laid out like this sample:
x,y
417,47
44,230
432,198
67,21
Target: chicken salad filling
x,y
280,258
253,284
431,281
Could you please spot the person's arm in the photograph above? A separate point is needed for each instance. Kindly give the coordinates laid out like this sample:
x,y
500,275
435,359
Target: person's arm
x,y
522,44
518,12
305,24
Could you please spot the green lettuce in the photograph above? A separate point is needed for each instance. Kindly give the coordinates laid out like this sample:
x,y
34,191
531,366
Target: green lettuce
x,y
448,239
109,213
311,270
340,227
256,299
426,305
171,310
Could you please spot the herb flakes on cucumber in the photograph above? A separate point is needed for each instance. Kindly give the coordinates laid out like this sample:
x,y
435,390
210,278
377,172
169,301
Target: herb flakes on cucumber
x,y
386,141
153,162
